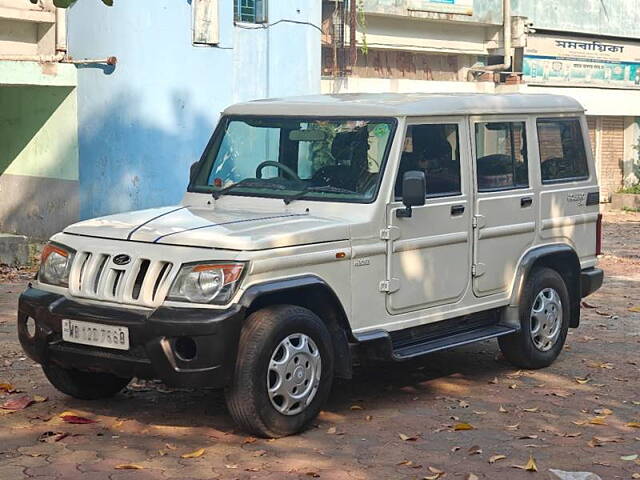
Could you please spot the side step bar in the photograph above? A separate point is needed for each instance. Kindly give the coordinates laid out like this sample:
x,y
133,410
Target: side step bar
x,y
384,346
406,352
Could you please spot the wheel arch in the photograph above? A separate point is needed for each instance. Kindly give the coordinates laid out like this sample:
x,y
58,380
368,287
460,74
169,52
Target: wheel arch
x,y
563,259
313,293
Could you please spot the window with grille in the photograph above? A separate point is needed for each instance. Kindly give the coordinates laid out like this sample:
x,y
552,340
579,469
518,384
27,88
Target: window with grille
x,y
250,11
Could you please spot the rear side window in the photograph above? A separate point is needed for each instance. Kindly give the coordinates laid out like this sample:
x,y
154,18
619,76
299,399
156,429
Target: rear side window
x,y
562,154
501,156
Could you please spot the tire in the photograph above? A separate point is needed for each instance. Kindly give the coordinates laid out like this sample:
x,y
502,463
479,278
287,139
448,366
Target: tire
x,y
84,385
526,348
265,361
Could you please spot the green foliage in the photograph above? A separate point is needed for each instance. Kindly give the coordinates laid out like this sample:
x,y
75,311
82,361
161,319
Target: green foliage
x,y
632,189
362,22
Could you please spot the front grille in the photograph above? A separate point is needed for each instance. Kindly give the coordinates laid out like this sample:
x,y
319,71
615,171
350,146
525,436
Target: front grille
x,y
143,281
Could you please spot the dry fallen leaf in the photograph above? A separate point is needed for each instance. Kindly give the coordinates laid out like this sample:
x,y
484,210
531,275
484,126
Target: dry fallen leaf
x,y
496,458
632,424
513,427
603,411
407,438
356,407
331,430
75,419
599,441
598,421
368,418
250,440
582,380
313,474
635,309
7,387
52,437
17,403
635,475
129,466
462,426
503,410
629,458
437,473
494,381
195,454
529,467
39,398
475,450
471,476
530,410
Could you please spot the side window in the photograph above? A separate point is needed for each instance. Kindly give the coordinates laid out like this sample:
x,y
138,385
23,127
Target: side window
x,y
501,156
250,11
435,150
562,154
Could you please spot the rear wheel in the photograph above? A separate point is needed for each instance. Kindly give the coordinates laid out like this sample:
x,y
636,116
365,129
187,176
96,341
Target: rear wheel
x,y
84,385
544,321
283,372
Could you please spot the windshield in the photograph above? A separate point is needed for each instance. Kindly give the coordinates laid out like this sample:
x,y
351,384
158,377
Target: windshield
x,y
291,158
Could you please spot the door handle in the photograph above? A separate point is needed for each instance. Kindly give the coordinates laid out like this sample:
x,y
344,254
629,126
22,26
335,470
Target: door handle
x,y
526,202
457,210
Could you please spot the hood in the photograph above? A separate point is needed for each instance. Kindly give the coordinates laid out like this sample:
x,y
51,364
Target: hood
x,y
224,229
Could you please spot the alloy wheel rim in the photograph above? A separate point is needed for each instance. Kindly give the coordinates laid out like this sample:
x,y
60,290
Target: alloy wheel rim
x,y
293,376
546,319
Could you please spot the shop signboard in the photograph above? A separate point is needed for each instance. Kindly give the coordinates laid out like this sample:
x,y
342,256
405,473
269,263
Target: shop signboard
x,y
581,62
463,7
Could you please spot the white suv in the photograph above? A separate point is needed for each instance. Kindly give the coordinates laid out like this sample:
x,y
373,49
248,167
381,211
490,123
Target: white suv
x,y
319,228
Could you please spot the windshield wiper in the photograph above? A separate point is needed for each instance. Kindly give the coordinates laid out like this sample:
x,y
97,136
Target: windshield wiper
x,y
246,182
325,188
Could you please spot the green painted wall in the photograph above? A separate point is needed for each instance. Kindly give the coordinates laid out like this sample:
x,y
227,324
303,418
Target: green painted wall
x,y
38,132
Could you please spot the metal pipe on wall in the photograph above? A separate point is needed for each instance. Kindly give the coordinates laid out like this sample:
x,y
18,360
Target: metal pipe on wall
x,y
506,37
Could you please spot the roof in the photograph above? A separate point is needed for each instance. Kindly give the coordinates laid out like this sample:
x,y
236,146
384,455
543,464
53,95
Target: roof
x,y
408,104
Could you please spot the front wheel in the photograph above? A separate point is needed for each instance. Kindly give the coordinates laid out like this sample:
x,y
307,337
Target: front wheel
x,y
284,371
544,321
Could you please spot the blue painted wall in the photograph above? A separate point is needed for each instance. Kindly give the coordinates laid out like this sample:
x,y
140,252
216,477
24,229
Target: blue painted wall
x,y
144,123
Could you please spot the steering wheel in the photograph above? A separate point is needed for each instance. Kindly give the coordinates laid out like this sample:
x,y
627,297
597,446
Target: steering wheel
x,y
284,168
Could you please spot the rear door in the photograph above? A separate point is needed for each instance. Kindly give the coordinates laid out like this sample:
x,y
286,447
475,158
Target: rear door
x,y
505,206
431,258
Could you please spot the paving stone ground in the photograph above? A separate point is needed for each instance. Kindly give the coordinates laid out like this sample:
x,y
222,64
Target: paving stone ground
x,y
519,414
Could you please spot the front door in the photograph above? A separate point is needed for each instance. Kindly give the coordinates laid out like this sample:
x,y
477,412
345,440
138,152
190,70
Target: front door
x,y
430,261
505,211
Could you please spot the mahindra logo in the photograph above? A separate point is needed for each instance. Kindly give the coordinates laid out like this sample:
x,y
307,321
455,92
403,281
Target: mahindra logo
x,y
121,259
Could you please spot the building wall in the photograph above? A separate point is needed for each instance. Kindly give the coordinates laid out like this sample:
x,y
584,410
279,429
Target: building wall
x,y
38,124
145,122
610,17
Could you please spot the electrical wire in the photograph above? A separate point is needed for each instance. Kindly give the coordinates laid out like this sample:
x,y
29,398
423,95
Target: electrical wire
x,y
259,26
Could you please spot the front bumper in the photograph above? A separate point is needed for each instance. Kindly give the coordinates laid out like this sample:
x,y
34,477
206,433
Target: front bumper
x,y
152,337
590,281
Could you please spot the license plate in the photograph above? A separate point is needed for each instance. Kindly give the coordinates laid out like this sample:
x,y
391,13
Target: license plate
x,y
95,334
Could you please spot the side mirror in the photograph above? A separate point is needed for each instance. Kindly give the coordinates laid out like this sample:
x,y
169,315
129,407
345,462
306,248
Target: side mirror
x,y
193,170
414,191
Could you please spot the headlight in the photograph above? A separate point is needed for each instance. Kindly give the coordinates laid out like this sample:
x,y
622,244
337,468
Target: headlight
x,y
55,264
206,282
